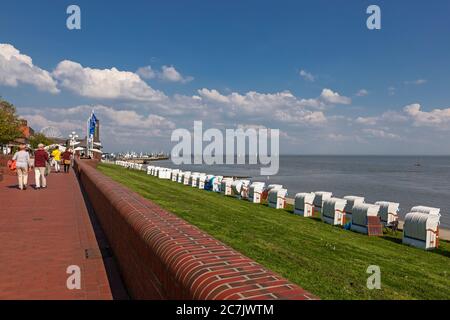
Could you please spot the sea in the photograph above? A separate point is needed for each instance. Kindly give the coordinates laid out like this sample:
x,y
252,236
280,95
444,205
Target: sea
x,y
408,180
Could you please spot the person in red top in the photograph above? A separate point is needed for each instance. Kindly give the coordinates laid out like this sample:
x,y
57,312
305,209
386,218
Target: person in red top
x,y
40,163
65,157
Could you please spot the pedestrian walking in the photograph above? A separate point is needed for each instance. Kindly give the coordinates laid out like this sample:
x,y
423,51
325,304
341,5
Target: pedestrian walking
x,y
22,159
56,154
66,159
40,164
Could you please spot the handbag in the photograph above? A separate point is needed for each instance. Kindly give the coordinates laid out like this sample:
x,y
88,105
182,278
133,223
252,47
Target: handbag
x,y
66,161
12,165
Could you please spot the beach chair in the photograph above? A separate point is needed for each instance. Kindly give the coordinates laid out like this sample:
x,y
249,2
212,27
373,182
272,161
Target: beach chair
x,y
270,187
362,213
225,186
304,204
351,201
421,230
255,192
201,181
187,178
319,198
388,214
240,188
332,211
209,181
193,181
216,183
277,198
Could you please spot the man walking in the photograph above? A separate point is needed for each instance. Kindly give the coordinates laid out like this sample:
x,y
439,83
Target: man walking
x,y
40,163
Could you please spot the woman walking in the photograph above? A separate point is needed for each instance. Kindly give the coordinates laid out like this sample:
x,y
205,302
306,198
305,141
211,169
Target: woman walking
x,y
66,158
22,159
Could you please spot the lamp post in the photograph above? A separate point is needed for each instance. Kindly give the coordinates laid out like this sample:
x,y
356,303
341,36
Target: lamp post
x,y
73,139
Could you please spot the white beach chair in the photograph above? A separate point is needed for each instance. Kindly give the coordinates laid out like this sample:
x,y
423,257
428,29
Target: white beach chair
x,y
255,192
225,186
333,211
217,181
351,201
319,198
276,198
361,212
304,204
421,230
388,213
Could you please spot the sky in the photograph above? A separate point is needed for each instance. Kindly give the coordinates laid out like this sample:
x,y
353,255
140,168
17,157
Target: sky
x,y
311,69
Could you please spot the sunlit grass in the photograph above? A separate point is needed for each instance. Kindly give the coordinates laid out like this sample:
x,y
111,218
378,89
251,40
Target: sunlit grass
x,y
325,260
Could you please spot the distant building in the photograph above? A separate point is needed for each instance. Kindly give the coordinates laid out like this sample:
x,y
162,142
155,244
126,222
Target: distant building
x,y
25,129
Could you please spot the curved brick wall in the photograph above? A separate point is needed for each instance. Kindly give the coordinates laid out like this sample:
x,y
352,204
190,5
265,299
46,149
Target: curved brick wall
x,y
162,256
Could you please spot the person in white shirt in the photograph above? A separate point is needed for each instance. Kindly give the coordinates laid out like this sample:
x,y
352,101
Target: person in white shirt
x,y
22,159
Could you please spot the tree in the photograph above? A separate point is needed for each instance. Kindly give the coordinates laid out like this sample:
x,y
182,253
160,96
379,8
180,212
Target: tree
x,y
40,138
9,123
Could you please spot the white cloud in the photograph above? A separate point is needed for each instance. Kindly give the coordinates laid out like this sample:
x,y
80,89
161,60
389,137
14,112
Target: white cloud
x,y
380,133
439,118
362,93
307,76
167,73
146,72
417,82
331,97
18,68
104,83
367,120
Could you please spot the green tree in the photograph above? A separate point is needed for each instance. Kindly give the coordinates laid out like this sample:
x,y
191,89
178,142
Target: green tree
x,y
40,138
9,123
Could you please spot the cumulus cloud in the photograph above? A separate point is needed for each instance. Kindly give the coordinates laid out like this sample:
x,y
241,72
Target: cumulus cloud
x,y
146,72
167,73
385,117
439,118
281,106
16,68
331,97
104,83
307,76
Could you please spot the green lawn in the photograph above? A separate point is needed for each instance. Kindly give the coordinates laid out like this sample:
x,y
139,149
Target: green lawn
x,y
325,260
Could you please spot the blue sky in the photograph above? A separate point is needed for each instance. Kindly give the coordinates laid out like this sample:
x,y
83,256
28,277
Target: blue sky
x,y
361,91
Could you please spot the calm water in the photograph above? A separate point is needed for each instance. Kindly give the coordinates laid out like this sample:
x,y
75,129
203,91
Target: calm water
x,y
390,178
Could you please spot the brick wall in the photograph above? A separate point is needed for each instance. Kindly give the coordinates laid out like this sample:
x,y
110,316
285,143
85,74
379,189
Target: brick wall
x,y
162,256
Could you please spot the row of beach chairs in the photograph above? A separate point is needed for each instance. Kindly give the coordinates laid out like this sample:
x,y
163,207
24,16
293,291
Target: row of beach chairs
x,y
420,229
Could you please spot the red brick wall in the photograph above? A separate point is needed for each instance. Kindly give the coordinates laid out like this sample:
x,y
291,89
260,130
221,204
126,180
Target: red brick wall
x,y
162,256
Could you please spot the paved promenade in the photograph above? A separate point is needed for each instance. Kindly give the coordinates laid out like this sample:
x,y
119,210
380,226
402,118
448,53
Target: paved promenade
x,y
42,232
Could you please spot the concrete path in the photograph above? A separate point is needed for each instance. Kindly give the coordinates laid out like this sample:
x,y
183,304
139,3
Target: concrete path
x,y
42,233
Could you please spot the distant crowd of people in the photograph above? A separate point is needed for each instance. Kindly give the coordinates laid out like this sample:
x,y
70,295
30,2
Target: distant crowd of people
x,y
39,160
